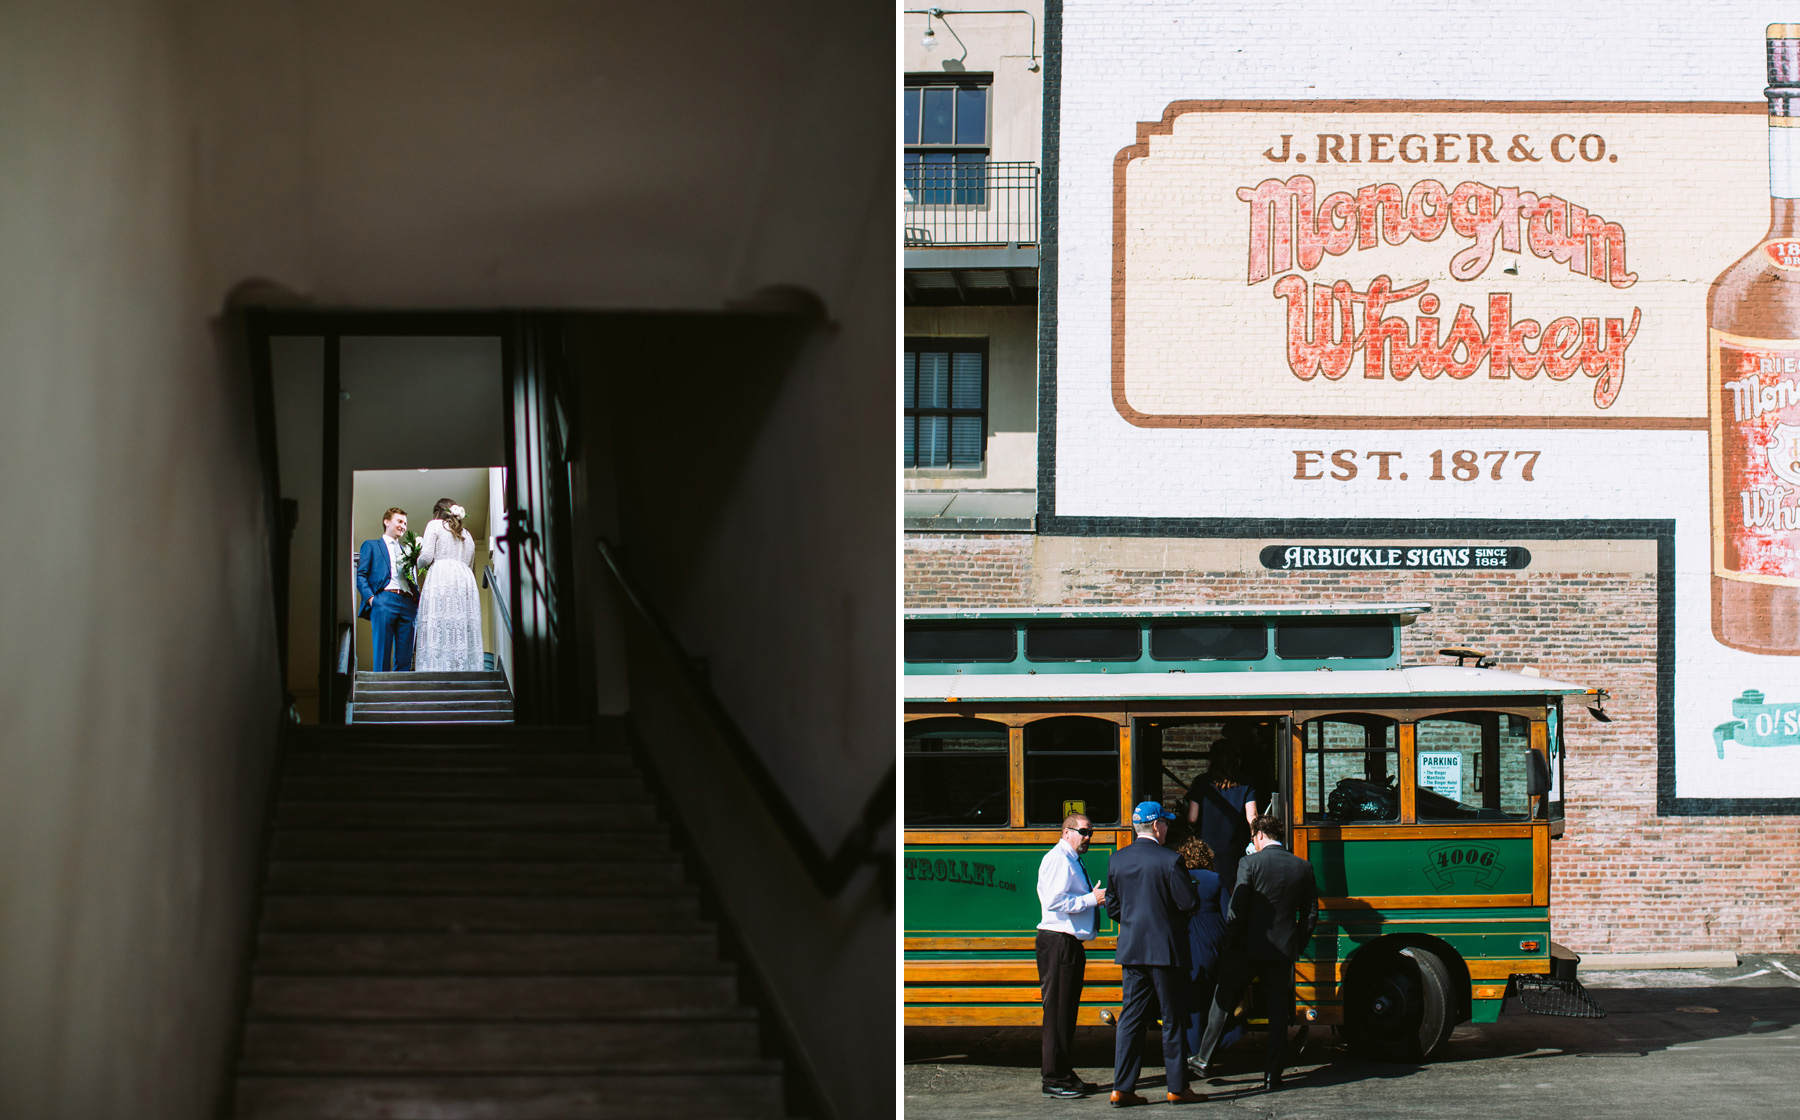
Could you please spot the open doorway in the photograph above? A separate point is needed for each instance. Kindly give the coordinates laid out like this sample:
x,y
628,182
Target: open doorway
x,y
416,494
366,413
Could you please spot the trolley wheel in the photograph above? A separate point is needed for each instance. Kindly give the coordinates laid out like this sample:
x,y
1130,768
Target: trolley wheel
x,y
1398,1006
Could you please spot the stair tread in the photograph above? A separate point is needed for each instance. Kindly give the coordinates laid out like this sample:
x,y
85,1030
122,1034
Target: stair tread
x,y
420,760
489,998
717,1096
461,719
477,914
401,685
470,846
488,954
547,816
432,702
429,674
481,920
494,877
570,1046
486,787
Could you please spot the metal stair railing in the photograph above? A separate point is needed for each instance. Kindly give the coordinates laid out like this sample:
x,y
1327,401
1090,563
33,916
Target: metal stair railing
x,y
492,582
346,667
829,871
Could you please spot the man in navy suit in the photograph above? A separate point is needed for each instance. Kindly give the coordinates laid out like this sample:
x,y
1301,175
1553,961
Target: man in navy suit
x,y
1273,913
1150,895
388,602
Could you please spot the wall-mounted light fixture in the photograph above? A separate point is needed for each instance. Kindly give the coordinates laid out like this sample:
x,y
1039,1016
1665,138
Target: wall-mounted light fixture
x,y
929,39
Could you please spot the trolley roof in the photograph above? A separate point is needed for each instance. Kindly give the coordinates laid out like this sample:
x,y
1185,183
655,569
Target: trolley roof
x,y
1411,681
1403,611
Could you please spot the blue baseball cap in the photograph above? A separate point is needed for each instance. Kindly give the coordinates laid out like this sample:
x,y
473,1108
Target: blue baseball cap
x,y
1148,811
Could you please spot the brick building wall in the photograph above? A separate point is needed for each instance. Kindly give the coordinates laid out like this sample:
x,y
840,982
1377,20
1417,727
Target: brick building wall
x,y
968,570
1624,879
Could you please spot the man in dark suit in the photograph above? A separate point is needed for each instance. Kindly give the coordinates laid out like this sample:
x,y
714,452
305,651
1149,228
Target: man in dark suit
x,y
387,601
1273,912
1149,896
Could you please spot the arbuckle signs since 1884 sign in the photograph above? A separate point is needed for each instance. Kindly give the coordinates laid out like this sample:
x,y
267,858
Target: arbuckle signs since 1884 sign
x,y
1394,557
1423,264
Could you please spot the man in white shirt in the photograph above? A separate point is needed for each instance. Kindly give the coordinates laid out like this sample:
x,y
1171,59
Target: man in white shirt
x,y
1069,901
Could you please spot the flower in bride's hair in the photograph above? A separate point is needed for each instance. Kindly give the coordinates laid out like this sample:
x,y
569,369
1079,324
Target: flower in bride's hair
x,y
456,511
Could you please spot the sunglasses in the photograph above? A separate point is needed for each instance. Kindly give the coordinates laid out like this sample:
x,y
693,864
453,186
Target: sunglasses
x,y
1083,831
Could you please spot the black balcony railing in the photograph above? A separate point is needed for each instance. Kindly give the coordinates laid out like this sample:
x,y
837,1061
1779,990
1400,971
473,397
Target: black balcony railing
x,y
957,204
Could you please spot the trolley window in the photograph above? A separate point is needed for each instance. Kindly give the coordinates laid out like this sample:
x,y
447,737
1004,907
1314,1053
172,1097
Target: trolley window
x,y
926,641
1351,764
1314,640
1071,765
1472,766
956,773
1078,642
1209,641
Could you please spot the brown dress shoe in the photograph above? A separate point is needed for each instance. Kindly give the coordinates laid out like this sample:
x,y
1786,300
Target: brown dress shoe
x,y
1126,1100
1186,1096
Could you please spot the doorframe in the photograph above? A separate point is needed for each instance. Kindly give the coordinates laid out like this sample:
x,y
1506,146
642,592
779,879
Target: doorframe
x,y
331,326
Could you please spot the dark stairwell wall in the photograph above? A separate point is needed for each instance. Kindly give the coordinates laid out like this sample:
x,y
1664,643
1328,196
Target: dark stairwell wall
x,y
138,685
162,154
766,544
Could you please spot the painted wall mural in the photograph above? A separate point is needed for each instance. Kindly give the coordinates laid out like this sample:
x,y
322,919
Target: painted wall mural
x,y
1513,307
1459,264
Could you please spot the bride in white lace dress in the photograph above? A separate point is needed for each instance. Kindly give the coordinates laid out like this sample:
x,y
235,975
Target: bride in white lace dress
x,y
447,632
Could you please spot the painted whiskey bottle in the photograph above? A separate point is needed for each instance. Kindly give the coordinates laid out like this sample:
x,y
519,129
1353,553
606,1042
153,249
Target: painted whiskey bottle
x,y
1753,386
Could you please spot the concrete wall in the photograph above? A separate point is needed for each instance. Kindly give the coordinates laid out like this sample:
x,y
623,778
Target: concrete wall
x,y
1000,45
297,371
161,153
139,696
536,154
767,543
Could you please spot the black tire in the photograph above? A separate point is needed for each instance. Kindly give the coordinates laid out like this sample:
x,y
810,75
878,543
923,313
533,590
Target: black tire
x,y
1398,1006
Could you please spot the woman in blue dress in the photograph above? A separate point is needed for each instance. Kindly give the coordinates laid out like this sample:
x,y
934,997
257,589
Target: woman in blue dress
x,y
1206,943
1221,805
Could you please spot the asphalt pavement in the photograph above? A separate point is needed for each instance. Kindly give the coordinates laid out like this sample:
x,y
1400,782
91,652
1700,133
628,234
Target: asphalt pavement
x,y
1678,1043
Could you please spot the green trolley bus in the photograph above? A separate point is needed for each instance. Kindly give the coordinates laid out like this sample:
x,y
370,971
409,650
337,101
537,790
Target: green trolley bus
x,y
1425,797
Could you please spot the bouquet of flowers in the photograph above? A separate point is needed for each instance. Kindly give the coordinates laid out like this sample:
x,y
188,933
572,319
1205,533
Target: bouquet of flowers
x,y
409,558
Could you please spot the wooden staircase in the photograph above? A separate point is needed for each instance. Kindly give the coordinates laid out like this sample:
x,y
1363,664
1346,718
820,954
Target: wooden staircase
x,y
491,924
480,697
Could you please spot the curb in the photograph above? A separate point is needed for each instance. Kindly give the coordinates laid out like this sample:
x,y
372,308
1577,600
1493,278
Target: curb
x,y
1610,962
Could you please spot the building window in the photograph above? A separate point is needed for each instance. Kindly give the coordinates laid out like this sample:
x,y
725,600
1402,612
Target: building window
x,y
947,142
946,402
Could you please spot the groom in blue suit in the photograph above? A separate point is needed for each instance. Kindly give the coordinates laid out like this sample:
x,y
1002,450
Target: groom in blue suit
x,y
388,602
